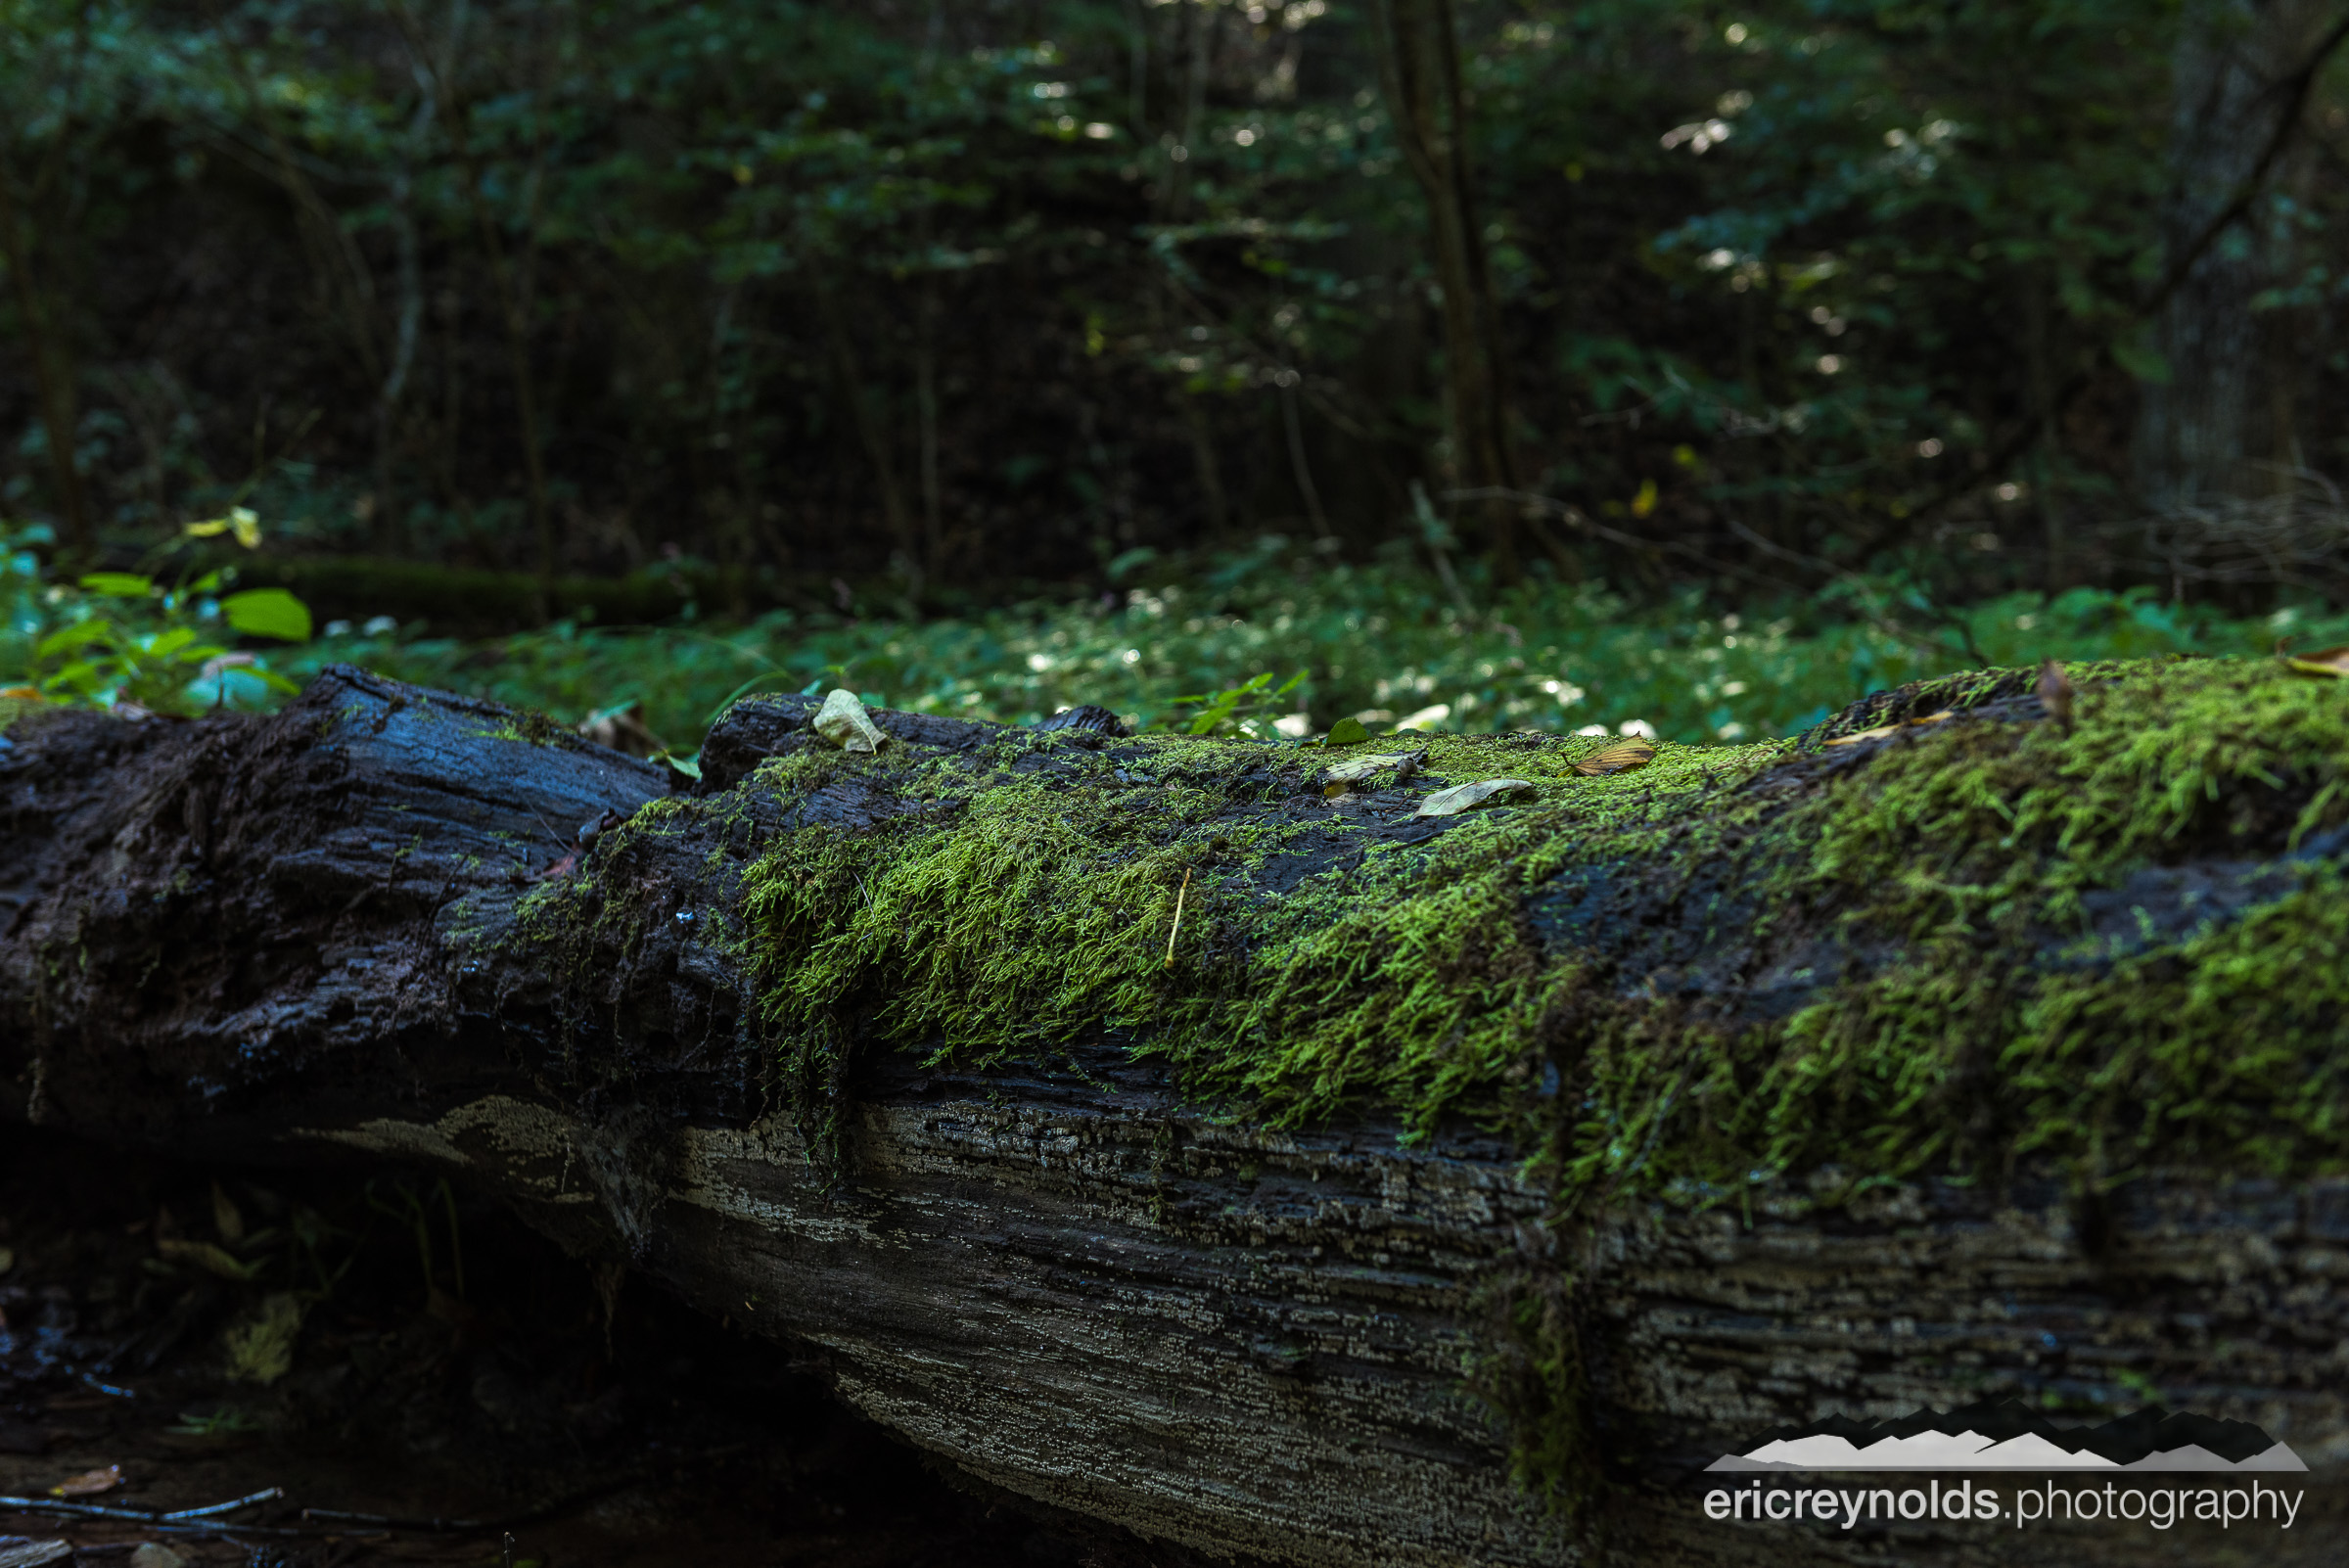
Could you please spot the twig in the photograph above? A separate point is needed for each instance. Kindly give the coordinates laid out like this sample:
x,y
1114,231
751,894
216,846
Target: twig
x,y
267,1494
1180,896
100,1510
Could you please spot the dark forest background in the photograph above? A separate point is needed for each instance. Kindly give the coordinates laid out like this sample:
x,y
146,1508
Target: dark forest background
x,y
977,297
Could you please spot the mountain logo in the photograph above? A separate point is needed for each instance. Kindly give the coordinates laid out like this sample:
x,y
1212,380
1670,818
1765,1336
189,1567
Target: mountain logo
x,y
2007,1435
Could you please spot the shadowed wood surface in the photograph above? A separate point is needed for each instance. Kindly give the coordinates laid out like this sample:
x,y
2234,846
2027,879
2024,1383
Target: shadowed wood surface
x,y
302,939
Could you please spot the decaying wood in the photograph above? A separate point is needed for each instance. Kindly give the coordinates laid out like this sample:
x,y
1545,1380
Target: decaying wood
x,y
284,939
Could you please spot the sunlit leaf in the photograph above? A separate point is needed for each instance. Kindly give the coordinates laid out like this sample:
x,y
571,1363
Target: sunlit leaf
x,y
119,585
268,612
80,634
2331,663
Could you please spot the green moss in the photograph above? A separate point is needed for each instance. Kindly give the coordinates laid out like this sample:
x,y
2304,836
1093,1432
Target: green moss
x,y
1039,915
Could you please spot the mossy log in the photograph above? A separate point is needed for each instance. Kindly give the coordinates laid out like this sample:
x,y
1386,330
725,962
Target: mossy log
x,y
1150,1131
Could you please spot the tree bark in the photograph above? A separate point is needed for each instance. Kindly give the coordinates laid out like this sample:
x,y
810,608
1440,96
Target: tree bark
x,y
313,937
2210,431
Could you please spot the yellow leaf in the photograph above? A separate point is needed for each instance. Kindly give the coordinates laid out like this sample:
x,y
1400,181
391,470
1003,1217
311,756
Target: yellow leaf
x,y
246,526
1620,757
261,1350
210,528
2333,662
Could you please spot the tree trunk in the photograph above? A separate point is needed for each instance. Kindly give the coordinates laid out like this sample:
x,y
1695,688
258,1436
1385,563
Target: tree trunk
x,y
367,929
2210,431
52,378
1420,66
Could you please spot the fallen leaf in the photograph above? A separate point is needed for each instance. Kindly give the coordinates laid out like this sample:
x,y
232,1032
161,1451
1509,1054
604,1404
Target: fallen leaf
x,y
155,1555
20,1551
843,721
2328,662
206,1256
1462,797
1621,758
261,1350
89,1483
20,694
1347,732
1355,769
1882,730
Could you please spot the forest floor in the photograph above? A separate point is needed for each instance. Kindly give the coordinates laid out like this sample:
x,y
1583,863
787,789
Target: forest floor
x,y
583,1421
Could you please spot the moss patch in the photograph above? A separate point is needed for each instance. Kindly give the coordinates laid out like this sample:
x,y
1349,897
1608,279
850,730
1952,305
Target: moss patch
x,y
1988,982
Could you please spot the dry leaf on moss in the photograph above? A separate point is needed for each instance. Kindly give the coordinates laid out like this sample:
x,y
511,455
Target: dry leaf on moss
x,y
1463,796
1620,757
843,721
2328,662
1355,769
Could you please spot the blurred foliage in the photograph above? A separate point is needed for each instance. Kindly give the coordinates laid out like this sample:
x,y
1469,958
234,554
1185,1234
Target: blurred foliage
x,y
130,641
978,296
1387,643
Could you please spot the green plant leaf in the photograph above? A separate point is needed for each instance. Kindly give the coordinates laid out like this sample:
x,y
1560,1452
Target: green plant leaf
x,y
80,634
268,612
119,585
1348,732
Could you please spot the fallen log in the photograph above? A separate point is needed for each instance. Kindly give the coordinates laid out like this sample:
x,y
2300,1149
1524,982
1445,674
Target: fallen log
x,y
1197,1136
